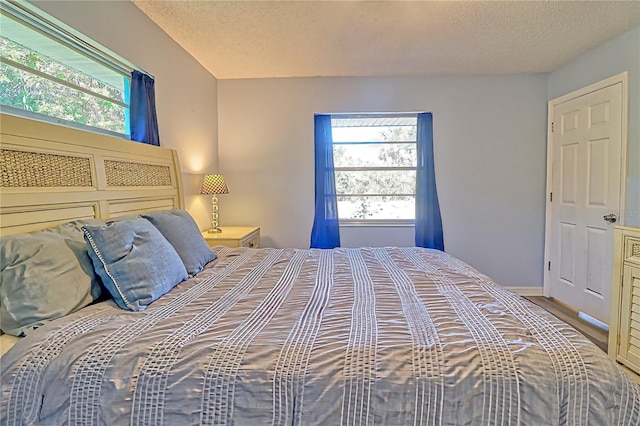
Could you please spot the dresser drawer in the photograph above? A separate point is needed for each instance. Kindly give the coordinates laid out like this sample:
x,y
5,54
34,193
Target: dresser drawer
x,y
234,236
632,250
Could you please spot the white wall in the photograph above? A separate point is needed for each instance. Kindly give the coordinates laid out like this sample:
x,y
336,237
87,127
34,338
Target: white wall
x,y
619,55
490,138
185,92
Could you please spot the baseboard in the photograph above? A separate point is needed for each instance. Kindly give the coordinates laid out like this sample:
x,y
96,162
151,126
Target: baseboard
x,y
527,291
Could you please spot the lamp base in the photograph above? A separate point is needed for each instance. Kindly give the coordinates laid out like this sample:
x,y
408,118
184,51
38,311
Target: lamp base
x,y
215,230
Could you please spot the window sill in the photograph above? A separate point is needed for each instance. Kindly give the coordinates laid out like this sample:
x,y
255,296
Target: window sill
x,y
378,223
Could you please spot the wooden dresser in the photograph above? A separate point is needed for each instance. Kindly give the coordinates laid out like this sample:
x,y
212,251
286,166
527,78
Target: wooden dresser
x,y
624,328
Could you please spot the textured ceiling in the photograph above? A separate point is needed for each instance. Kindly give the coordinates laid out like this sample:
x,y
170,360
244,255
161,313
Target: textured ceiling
x,y
257,39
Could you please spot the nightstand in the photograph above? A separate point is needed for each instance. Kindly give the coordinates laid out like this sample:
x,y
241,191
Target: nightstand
x,y
234,236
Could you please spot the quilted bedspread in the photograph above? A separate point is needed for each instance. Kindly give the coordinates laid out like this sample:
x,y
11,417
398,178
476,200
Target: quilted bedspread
x,y
387,336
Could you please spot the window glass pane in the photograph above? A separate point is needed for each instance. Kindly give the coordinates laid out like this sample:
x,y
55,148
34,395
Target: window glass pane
x,y
376,208
375,141
376,182
374,134
58,74
42,63
29,92
376,155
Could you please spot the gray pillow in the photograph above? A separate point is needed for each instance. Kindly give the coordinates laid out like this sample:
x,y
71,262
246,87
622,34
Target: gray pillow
x,y
179,228
44,275
135,262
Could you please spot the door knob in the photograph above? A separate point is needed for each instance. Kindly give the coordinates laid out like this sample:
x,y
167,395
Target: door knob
x,y
611,218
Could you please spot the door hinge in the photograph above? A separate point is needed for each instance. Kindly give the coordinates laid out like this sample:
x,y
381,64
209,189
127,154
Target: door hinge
x,y
549,266
552,127
551,197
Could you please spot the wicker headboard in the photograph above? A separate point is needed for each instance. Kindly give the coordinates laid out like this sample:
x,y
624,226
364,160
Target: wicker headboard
x,y
52,174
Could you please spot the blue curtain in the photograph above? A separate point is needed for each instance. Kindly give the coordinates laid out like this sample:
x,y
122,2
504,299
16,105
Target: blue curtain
x,y
143,119
428,220
326,226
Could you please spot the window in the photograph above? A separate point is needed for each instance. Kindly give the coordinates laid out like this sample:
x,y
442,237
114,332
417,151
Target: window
x,y
375,167
49,73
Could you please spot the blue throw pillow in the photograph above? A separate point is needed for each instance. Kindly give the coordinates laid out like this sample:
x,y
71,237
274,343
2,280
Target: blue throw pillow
x,y
135,262
179,228
44,275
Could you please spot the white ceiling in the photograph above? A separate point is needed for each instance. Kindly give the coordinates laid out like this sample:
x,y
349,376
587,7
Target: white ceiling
x,y
259,39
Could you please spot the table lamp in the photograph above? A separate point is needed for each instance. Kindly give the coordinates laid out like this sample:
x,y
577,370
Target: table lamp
x,y
214,185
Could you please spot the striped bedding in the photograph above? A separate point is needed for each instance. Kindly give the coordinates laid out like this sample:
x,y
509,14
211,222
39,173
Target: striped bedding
x,y
388,336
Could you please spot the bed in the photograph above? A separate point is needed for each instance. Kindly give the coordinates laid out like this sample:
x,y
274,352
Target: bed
x,y
391,336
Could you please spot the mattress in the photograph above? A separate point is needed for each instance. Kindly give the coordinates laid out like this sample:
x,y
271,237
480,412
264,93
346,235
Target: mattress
x,y
390,336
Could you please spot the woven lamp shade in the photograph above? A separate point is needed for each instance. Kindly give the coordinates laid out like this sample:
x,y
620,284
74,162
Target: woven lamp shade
x,y
214,184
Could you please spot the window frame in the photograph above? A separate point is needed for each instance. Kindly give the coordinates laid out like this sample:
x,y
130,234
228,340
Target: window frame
x,y
39,21
375,222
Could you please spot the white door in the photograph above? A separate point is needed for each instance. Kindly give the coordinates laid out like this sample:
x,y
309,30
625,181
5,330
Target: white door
x,y
585,198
